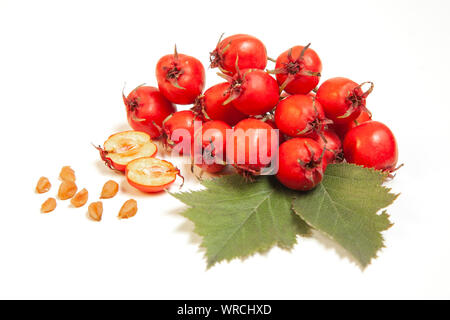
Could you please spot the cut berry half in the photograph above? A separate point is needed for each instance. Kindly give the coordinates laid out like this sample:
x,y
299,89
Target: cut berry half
x,y
151,174
124,147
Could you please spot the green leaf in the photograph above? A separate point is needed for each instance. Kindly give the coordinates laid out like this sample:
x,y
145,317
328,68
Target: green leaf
x,y
237,218
345,207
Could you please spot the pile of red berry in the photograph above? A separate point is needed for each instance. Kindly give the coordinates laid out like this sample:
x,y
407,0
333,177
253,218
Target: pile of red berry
x,y
317,125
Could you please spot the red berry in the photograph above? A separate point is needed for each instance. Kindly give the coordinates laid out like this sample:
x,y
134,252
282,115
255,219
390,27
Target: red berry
x,y
253,92
371,144
300,116
250,50
181,78
301,164
146,110
342,99
210,104
298,70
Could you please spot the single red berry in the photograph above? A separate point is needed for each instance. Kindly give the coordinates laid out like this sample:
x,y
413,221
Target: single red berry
x,y
301,164
300,116
146,110
181,78
253,92
371,144
298,70
250,50
211,106
343,99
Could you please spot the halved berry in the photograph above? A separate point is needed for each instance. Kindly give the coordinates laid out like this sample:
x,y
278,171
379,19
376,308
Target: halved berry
x,y
151,174
124,147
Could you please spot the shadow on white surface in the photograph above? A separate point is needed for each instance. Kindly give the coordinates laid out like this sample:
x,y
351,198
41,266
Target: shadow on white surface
x,y
188,227
121,127
329,244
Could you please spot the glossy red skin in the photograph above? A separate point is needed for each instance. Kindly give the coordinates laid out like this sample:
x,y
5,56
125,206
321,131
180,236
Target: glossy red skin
x,y
252,143
211,132
151,106
333,145
302,84
342,129
251,51
150,189
291,173
180,120
294,113
192,79
332,94
259,93
213,101
372,145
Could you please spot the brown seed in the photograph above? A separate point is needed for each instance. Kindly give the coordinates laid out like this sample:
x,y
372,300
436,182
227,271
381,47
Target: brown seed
x,y
67,174
128,209
43,185
80,198
67,190
109,190
95,211
49,205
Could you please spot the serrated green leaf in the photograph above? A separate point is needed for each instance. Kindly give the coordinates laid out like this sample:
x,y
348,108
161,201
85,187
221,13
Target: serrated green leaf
x,y
237,219
345,207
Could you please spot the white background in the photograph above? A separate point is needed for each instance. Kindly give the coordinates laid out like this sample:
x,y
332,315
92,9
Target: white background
x,y
62,68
